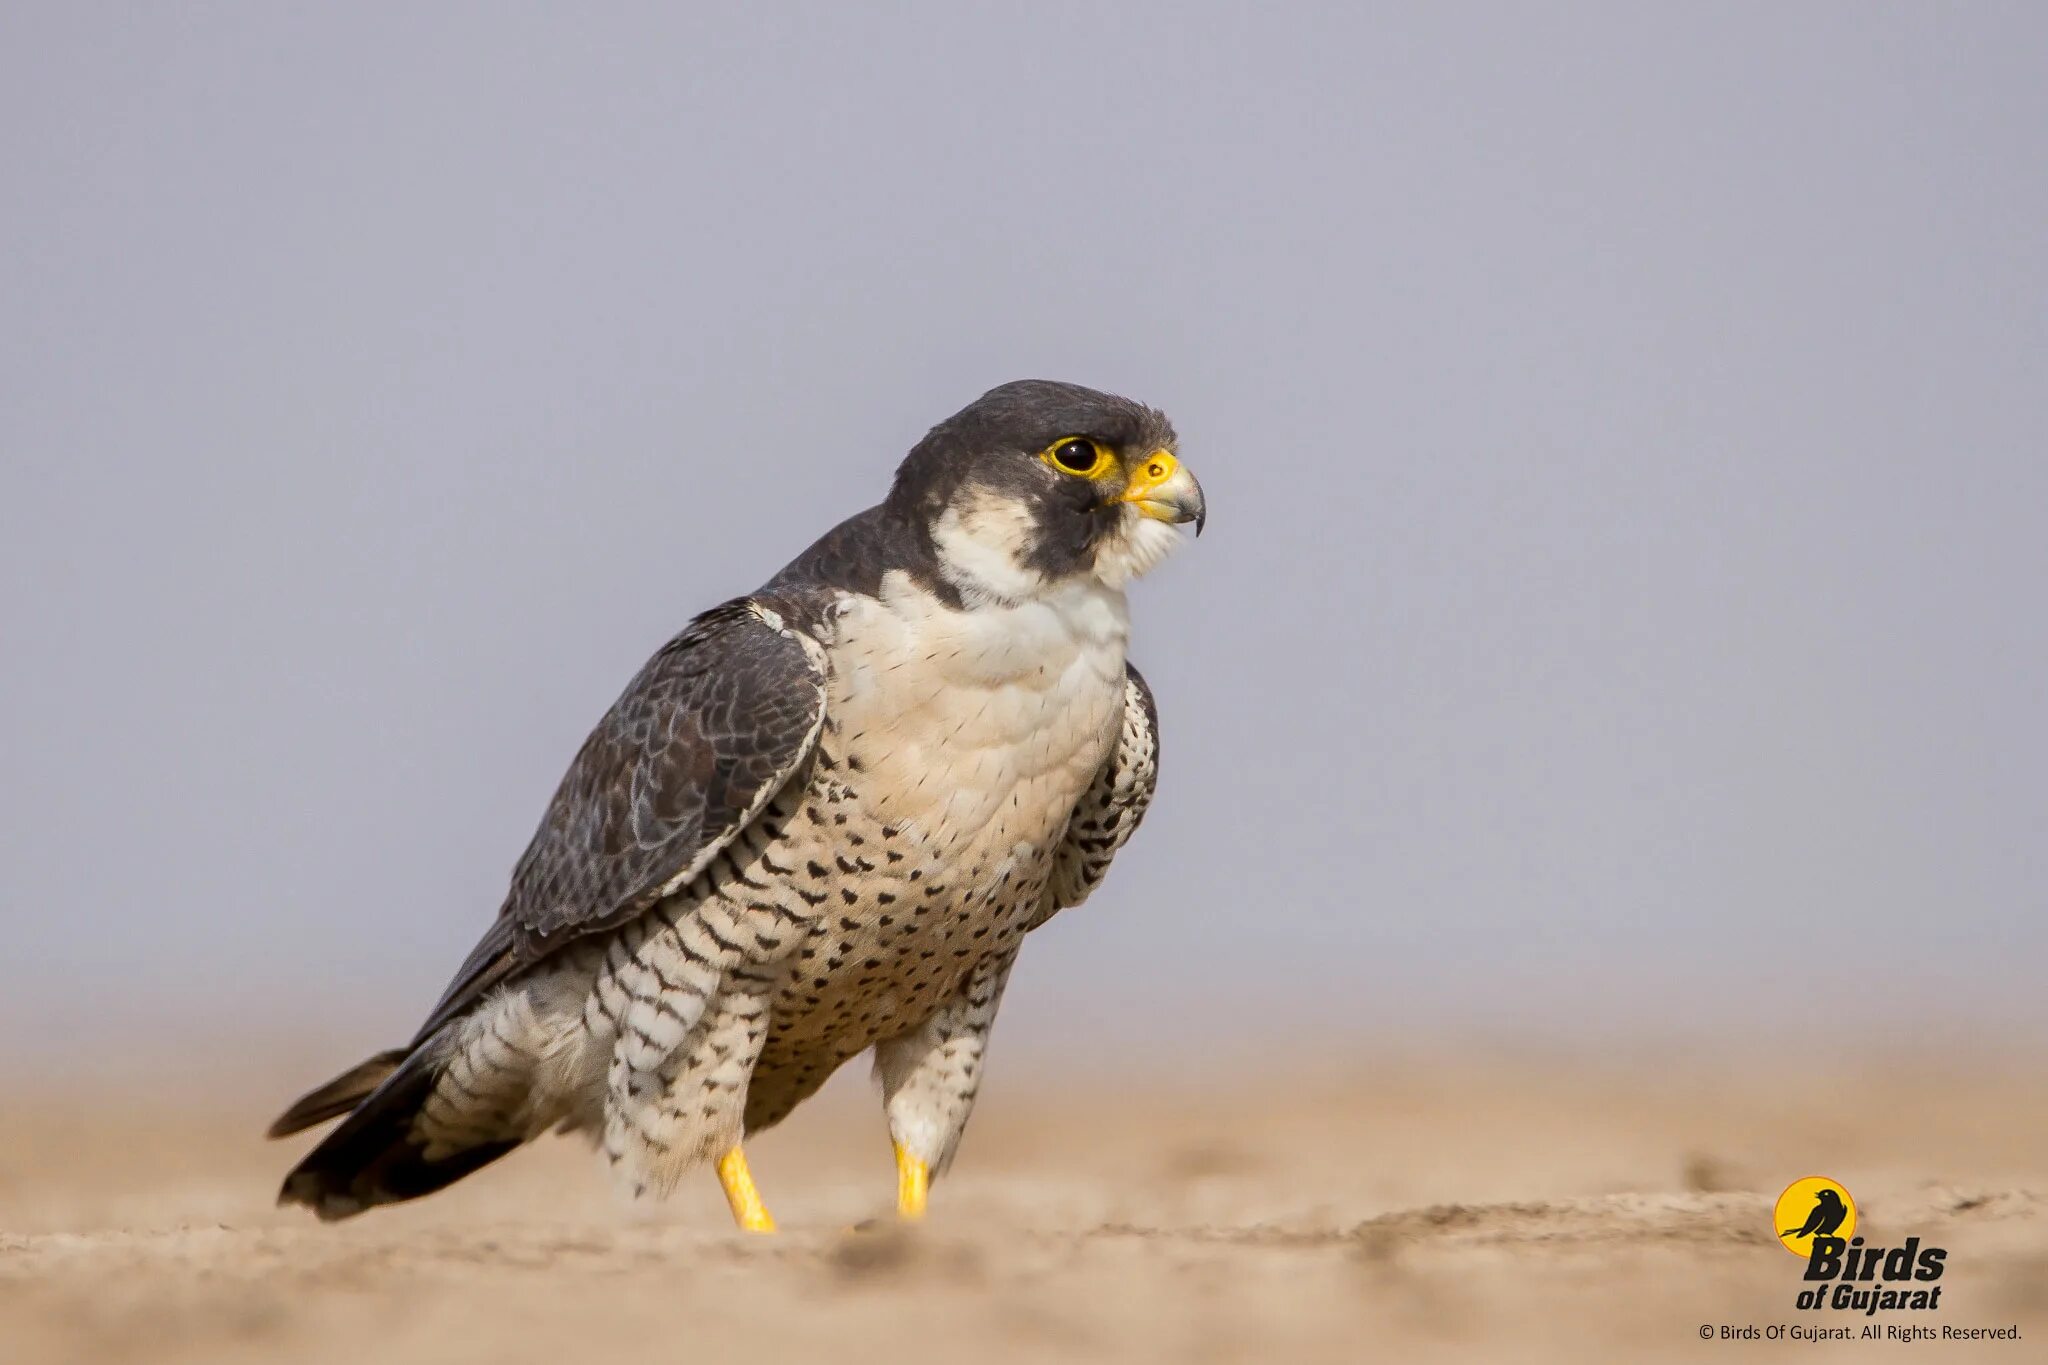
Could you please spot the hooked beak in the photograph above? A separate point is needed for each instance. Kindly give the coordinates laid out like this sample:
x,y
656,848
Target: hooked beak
x,y
1162,489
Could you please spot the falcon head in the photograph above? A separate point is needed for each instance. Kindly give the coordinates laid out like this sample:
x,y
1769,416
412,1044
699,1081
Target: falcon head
x,y
1036,484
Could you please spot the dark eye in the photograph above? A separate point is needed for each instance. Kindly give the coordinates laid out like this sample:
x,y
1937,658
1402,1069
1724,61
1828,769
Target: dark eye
x,y
1076,456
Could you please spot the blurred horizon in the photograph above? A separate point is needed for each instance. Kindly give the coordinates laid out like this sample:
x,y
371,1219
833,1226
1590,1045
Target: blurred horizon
x,y
1624,433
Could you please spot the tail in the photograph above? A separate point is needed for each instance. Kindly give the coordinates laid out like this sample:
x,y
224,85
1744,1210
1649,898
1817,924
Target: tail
x,y
338,1096
375,1156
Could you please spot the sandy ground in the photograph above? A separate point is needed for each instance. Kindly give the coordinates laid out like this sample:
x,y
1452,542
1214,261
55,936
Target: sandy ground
x,y
1465,1208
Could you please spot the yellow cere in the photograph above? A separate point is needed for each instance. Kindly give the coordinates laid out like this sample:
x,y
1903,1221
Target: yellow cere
x,y
1159,466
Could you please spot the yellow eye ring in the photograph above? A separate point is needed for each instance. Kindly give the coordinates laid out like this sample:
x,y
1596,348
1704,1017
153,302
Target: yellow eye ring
x,y
1079,456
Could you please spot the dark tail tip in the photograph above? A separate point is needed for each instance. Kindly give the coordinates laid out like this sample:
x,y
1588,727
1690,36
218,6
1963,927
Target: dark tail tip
x,y
334,1186
373,1157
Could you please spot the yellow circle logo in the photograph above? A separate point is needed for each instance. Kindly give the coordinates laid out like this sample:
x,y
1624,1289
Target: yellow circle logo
x,y
1812,1207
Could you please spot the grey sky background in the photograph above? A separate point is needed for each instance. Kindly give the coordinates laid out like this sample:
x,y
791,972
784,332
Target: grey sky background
x,y
1625,428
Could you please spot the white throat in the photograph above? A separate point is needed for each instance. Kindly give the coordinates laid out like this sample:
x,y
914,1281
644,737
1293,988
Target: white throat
x,y
983,547
981,552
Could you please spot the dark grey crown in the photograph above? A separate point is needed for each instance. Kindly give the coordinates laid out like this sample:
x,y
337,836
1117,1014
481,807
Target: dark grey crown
x,y
1021,417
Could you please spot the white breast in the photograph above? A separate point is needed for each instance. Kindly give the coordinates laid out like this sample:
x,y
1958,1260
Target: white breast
x,y
998,714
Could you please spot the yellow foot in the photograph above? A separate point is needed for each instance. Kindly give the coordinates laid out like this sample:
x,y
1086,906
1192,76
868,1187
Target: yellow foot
x,y
747,1209
913,1184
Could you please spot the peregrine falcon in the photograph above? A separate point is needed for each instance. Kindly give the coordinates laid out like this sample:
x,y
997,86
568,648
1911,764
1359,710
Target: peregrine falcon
x,y
821,820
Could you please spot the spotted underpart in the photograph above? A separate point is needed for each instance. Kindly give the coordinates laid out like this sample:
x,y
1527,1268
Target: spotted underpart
x,y
1111,808
820,821
879,898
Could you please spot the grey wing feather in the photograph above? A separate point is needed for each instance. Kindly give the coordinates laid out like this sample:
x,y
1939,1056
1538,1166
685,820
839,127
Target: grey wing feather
x,y
690,753
1115,802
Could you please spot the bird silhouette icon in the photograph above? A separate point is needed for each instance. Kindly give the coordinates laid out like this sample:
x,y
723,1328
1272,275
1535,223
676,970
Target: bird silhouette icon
x,y
1828,1213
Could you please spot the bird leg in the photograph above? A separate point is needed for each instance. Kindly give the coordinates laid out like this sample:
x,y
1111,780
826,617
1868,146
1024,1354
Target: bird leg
x,y
929,1077
747,1209
913,1184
